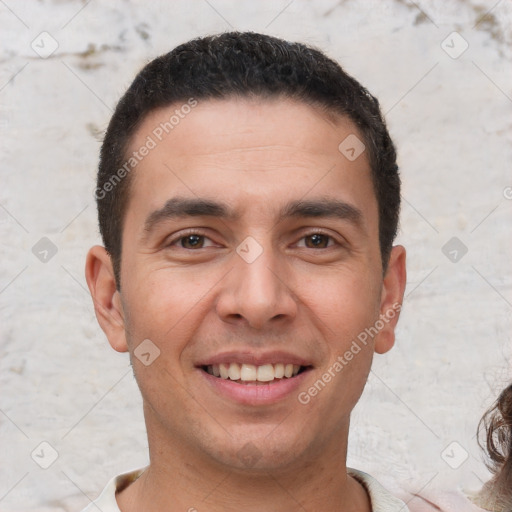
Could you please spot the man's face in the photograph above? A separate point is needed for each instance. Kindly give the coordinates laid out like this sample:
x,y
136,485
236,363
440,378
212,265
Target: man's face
x,y
230,258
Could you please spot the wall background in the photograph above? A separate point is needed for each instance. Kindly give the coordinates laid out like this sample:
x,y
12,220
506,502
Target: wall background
x,y
60,381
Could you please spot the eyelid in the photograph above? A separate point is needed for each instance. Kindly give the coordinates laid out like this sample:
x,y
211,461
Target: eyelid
x,y
176,237
319,231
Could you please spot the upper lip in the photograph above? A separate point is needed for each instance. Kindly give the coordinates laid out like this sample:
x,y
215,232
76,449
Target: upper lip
x,y
250,357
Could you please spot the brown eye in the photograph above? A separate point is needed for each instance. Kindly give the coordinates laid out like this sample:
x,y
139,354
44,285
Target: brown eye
x,y
317,241
192,241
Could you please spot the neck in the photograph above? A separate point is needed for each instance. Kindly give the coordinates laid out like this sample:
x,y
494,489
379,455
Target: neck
x,y
179,478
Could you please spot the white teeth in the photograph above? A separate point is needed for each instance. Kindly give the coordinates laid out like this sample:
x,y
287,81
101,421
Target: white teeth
x,y
234,371
279,370
248,372
265,373
251,373
223,370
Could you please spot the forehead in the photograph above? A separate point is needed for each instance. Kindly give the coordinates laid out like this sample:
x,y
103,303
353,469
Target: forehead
x,y
249,152
214,126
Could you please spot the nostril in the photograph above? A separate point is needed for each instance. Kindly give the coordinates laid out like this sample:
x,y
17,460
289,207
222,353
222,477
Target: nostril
x,y
235,316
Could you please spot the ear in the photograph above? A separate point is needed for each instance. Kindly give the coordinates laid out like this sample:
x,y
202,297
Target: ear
x,y
99,274
392,295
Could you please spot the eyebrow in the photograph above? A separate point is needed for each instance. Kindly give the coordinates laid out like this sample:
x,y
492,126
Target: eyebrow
x,y
180,207
330,208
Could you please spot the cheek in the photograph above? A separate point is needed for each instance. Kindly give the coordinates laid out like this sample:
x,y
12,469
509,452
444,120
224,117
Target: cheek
x,y
345,302
163,306
344,314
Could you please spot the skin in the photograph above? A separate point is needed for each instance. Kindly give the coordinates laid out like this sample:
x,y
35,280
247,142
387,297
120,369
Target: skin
x,y
255,156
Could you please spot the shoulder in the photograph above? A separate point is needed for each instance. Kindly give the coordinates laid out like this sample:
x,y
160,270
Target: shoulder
x,y
106,501
435,500
381,499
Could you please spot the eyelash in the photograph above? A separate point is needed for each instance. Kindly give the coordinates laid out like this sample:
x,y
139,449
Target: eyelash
x,y
199,232
185,234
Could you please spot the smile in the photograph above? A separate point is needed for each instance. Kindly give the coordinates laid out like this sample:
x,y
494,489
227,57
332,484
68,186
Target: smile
x,y
252,374
245,377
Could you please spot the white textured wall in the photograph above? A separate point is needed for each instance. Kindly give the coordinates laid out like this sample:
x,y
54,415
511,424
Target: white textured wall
x,y
61,382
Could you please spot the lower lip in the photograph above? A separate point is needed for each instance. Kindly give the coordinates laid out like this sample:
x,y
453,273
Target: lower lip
x,y
256,394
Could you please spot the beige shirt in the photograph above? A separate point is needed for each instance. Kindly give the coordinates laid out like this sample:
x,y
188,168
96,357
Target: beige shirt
x,y
381,499
435,500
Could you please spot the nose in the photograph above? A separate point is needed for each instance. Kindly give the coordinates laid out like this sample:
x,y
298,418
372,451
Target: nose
x,y
257,294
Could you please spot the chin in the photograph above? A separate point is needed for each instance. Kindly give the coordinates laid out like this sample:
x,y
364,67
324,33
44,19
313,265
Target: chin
x,y
259,450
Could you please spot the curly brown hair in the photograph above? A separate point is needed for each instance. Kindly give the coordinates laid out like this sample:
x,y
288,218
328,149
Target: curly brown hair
x,y
496,427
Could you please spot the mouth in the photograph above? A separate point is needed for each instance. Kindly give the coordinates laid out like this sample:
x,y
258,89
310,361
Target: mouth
x,y
252,380
251,374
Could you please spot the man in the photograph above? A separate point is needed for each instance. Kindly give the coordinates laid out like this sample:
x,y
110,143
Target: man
x,y
248,199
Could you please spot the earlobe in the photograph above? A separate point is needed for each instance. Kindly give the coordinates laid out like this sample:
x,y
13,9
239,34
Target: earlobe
x,y
99,274
393,289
